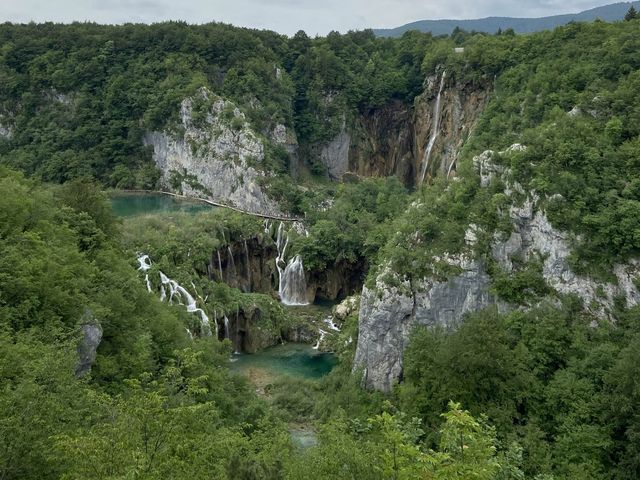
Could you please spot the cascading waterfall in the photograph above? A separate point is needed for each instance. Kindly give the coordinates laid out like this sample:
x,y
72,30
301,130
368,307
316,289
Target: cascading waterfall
x,y
145,262
248,267
220,266
453,162
226,327
292,283
322,335
328,321
232,273
178,291
435,131
215,321
148,282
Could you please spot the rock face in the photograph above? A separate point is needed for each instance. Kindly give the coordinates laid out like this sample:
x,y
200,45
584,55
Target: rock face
x,y
250,266
460,108
388,314
217,157
335,155
392,140
6,130
249,332
90,337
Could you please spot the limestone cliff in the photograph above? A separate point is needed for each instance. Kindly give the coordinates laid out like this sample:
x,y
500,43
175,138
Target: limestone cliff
x,y
392,309
6,130
215,155
388,315
392,140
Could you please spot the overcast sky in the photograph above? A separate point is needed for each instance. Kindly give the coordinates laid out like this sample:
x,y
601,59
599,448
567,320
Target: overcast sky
x,y
285,16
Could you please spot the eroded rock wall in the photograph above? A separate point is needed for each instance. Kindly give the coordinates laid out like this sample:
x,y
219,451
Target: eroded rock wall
x,y
217,156
388,313
392,140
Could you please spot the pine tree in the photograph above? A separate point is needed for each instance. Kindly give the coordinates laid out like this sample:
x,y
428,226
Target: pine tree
x,y
632,14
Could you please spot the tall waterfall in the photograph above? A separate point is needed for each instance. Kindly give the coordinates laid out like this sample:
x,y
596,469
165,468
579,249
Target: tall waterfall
x,y
220,266
226,327
177,291
435,130
232,273
292,284
247,265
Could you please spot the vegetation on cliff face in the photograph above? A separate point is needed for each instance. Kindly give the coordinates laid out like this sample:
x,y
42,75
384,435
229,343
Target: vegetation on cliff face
x,y
542,393
78,98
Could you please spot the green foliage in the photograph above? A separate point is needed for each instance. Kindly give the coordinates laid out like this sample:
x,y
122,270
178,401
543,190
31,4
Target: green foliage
x,y
632,14
80,97
155,403
387,446
354,226
545,379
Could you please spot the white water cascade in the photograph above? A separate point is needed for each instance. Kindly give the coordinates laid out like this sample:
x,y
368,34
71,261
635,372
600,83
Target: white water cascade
x,y
226,327
247,265
232,273
177,291
292,283
220,266
435,130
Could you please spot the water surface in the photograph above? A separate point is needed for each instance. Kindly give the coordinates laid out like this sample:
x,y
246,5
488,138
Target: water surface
x,y
135,204
291,359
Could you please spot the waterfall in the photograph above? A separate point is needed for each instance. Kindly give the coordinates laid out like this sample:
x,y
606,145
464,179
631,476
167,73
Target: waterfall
x,y
220,266
322,335
178,291
183,295
226,327
435,130
145,263
232,274
453,162
292,284
248,267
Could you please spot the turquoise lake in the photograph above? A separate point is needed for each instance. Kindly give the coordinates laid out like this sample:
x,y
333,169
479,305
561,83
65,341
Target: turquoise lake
x,y
135,204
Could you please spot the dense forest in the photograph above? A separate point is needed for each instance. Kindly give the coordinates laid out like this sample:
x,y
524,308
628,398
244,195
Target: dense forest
x,y
544,389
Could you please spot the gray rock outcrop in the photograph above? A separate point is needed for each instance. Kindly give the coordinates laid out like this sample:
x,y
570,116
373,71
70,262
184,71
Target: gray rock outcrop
x,y
335,154
217,157
90,338
6,130
388,313
392,139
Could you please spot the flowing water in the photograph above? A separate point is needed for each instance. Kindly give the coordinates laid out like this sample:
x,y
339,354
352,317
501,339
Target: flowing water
x,y
292,283
435,130
135,204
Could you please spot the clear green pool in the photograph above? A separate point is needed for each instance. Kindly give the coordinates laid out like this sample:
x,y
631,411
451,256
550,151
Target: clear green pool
x,y
135,204
292,359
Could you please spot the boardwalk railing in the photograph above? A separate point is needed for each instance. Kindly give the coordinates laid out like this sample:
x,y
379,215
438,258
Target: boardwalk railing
x,y
283,218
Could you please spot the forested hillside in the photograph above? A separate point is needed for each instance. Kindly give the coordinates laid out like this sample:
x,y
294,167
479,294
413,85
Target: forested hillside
x,y
484,285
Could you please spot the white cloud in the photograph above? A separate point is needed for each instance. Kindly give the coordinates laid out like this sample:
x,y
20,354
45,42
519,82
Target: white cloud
x,y
286,16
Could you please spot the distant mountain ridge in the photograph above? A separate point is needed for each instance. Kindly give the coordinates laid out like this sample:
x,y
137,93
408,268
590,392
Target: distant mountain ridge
x,y
608,13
